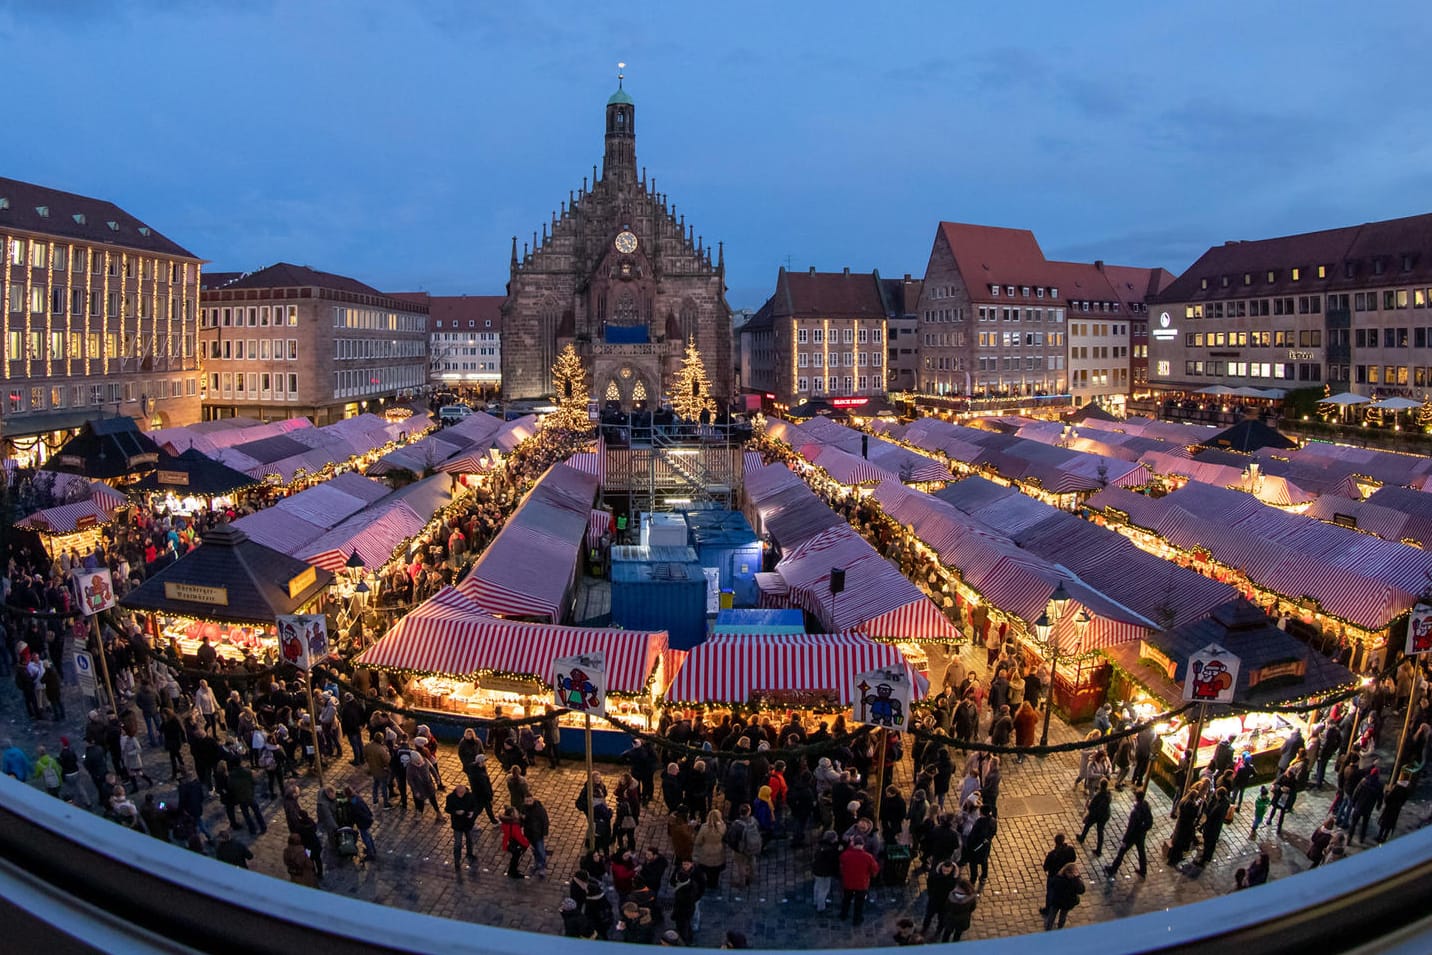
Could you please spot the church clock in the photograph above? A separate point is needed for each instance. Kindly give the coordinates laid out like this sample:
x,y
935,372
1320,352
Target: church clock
x,y
626,242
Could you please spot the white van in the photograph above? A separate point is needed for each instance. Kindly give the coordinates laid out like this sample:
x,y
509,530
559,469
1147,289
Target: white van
x,y
452,414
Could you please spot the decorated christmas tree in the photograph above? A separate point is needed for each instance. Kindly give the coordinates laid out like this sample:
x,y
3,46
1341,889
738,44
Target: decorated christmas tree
x,y
691,391
569,382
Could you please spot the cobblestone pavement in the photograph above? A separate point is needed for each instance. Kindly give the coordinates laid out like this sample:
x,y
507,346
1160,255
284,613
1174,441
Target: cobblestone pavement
x,y
414,869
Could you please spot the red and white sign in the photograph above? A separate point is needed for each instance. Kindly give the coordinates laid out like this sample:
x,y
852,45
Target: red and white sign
x,y
303,639
1211,676
1419,630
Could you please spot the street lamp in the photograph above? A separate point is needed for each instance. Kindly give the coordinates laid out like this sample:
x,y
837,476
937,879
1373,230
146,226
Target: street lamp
x,y
1044,627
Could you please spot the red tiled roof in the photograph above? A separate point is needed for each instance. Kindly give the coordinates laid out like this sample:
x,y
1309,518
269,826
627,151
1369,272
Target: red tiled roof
x,y
828,295
450,309
991,255
1362,244
21,211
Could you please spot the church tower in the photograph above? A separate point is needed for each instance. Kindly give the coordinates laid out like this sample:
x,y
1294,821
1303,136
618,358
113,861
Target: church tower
x,y
622,277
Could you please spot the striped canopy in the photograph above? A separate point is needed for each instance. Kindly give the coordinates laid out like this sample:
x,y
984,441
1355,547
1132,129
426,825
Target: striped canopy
x,y
450,635
730,668
65,518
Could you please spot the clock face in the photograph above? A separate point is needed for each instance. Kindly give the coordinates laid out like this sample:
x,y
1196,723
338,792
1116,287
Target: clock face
x,y
626,242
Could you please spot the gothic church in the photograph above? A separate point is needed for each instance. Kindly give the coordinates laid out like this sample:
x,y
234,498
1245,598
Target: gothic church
x,y
624,279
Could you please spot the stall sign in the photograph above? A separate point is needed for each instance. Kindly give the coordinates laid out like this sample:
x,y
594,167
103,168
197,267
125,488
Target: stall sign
x,y
305,579
197,593
96,591
513,685
1211,675
303,638
580,683
85,521
1419,630
173,478
147,457
713,589
84,667
71,461
789,699
882,698
1275,670
38,522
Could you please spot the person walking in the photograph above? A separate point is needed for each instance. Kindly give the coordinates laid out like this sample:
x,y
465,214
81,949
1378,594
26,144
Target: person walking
x,y
978,844
1366,797
1216,811
1392,803
1136,831
857,869
1096,816
1260,808
362,816
535,826
420,783
379,762
299,863
1066,887
1026,725
743,835
514,843
938,886
1054,861
957,911
481,784
132,760
461,807
709,850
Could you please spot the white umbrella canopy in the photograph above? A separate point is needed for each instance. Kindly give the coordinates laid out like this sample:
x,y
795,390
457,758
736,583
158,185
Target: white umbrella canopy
x,y
1216,390
1397,404
1346,398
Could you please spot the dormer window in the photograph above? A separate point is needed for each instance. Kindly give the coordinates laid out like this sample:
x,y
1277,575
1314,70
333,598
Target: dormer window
x,y
1009,290
994,290
1054,292
1272,276
4,203
1247,278
1322,271
1406,262
1377,266
113,226
1039,291
1024,290
42,211
1297,274
1203,283
79,218
1225,281
144,230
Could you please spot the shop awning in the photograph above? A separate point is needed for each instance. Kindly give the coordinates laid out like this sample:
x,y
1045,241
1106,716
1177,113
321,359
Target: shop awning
x,y
844,467
734,668
231,578
450,635
68,518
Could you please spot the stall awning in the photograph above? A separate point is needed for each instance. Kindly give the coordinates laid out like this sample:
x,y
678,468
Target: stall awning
x,y
68,518
375,536
598,523
449,635
844,467
732,668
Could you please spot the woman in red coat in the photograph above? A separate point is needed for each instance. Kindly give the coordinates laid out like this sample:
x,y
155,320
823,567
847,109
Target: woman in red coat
x,y
514,842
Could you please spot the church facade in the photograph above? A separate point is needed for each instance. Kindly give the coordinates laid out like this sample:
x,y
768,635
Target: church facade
x,y
621,276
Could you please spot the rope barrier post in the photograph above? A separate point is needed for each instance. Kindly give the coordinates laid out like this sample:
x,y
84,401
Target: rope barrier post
x,y
591,818
104,665
313,729
884,744
1406,726
1194,737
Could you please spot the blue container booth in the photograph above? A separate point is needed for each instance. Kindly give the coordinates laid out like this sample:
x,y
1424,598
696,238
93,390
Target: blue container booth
x,y
725,540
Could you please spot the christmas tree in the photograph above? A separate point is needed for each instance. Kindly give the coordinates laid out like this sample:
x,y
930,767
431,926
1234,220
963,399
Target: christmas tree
x,y
691,391
569,381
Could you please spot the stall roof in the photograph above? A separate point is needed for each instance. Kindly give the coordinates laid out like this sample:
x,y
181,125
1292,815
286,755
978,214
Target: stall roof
x,y
106,448
528,568
844,467
450,635
279,529
373,534
201,475
231,578
65,518
734,668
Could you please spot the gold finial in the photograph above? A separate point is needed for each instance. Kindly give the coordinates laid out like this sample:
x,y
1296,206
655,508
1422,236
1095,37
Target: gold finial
x,y
620,74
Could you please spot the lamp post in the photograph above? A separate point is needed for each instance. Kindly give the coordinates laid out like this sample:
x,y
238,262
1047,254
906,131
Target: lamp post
x,y
1045,627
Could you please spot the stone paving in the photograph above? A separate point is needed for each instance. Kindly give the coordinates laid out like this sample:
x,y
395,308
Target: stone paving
x,y
414,868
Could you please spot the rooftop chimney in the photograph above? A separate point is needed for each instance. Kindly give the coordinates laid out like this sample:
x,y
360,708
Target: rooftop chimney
x,y
812,270
847,270
907,276
1099,264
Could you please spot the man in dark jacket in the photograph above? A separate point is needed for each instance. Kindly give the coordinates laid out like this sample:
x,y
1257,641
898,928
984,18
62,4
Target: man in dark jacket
x,y
1143,754
461,808
1366,797
1054,860
938,888
1136,830
353,718
535,826
643,767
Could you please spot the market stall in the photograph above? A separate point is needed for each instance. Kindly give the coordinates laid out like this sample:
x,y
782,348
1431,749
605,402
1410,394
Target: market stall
x,y
812,672
228,589
70,527
1277,669
450,657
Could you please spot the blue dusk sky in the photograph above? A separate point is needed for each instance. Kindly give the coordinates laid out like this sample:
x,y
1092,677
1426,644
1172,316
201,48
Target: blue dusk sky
x,y
404,143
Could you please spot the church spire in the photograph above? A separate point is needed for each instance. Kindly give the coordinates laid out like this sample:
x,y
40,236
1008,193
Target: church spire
x,y
620,157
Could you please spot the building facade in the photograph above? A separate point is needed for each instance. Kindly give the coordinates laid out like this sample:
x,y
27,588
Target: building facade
x,y
822,335
902,331
101,318
999,319
291,341
1343,308
465,342
620,275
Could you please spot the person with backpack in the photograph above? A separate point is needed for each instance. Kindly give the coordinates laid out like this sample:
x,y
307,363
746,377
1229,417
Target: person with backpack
x,y
48,771
743,838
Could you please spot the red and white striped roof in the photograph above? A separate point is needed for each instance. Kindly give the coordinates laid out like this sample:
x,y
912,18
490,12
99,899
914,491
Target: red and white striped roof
x,y
844,467
728,668
450,635
63,519
374,535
